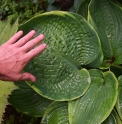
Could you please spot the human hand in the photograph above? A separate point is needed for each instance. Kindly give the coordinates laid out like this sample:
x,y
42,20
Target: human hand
x,y
14,55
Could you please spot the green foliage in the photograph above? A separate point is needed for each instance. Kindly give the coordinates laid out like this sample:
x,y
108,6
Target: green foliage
x,y
6,89
55,112
7,30
99,98
113,118
29,101
24,9
79,75
105,27
15,117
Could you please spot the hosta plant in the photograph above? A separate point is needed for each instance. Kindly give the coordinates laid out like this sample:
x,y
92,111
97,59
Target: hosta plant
x,y
79,75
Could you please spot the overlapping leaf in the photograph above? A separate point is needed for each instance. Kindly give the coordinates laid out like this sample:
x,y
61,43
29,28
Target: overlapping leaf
x,y
26,100
97,103
119,100
106,18
113,118
92,108
83,8
56,113
71,44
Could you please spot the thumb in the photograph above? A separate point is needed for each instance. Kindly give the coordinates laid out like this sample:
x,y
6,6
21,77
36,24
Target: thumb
x,y
27,76
17,77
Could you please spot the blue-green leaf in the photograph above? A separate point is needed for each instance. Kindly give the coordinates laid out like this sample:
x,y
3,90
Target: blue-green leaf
x,y
106,18
71,44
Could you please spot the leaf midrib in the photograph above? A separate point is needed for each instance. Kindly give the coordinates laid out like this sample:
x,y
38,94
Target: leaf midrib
x,y
76,67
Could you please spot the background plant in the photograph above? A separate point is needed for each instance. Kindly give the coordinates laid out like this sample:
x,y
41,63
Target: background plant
x,y
24,9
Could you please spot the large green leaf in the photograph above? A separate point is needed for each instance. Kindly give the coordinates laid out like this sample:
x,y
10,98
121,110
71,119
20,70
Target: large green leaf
x,y
71,44
119,100
97,103
56,113
106,18
26,100
113,118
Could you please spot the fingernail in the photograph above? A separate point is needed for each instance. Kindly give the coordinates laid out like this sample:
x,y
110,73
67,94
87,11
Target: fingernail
x,y
20,31
33,31
41,36
33,79
44,45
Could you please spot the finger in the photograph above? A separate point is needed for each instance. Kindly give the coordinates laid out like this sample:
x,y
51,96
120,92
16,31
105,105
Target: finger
x,y
25,39
28,46
31,54
15,37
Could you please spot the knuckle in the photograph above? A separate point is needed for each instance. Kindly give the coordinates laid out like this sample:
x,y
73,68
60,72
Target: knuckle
x,y
31,44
